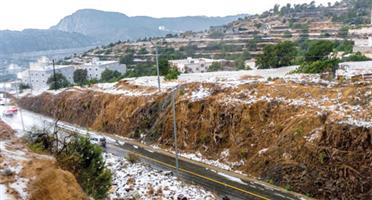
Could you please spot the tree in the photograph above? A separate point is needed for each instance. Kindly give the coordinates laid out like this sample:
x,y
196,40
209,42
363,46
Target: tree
x,y
57,81
77,155
319,50
80,76
319,66
276,9
282,54
287,34
128,59
343,32
143,51
110,76
172,74
163,66
356,57
85,161
215,66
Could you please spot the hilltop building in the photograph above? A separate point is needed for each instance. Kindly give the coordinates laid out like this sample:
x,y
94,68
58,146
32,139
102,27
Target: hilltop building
x,y
193,65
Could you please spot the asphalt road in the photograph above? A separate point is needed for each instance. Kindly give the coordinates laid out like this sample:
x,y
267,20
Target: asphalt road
x,y
214,180
222,184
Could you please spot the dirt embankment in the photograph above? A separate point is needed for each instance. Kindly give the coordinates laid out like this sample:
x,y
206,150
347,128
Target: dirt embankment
x,y
26,175
311,139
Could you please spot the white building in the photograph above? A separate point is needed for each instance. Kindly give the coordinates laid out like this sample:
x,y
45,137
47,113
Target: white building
x,y
349,70
38,73
193,65
96,67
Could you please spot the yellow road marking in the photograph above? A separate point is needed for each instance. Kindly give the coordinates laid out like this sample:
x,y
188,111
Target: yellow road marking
x,y
201,176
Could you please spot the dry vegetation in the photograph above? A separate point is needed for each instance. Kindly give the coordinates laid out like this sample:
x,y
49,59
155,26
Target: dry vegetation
x,y
295,135
45,180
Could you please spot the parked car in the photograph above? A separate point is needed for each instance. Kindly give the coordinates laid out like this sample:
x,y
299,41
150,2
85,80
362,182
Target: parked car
x,y
99,141
8,113
102,142
13,109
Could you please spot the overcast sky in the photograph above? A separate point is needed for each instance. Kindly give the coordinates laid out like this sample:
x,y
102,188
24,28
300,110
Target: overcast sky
x,y
21,14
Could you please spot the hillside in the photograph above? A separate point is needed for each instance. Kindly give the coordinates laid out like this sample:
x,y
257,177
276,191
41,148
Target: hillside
x,y
114,26
39,40
246,37
91,27
27,175
314,139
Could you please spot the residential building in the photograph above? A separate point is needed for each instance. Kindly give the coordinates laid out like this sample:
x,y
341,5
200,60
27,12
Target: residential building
x,y
96,67
193,65
38,73
355,70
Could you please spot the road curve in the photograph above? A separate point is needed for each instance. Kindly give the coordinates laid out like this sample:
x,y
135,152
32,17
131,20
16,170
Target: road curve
x,y
220,181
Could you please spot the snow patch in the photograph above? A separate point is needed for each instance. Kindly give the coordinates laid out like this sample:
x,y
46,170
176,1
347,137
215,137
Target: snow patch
x,y
232,178
3,194
21,187
138,179
200,94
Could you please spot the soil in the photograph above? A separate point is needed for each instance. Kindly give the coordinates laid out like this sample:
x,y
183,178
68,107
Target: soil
x,y
45,179
304,137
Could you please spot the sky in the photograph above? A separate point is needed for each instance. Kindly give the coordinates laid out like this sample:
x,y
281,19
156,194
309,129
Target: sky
x,y
41,14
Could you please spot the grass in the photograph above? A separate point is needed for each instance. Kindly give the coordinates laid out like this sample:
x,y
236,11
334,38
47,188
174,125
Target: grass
x,y
36,147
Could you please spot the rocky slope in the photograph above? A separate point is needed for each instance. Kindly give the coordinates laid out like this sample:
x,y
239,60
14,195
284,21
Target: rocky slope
x,y
26,175
39,40
308,137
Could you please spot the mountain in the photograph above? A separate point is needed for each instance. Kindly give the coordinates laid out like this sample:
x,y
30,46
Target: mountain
x,y
113,26
37,40
89,27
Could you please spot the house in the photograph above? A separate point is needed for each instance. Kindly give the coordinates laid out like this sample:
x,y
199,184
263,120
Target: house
x,y
355,70
193,65
38,73
96,67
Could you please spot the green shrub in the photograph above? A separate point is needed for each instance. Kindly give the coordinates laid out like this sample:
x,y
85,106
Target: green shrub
x,y
110,76
36,147
172,74
57,81
85,161
319,66
356,57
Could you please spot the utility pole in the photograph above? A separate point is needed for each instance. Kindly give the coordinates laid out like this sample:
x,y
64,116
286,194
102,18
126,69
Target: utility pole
x,y
157,67
54,76
175,129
